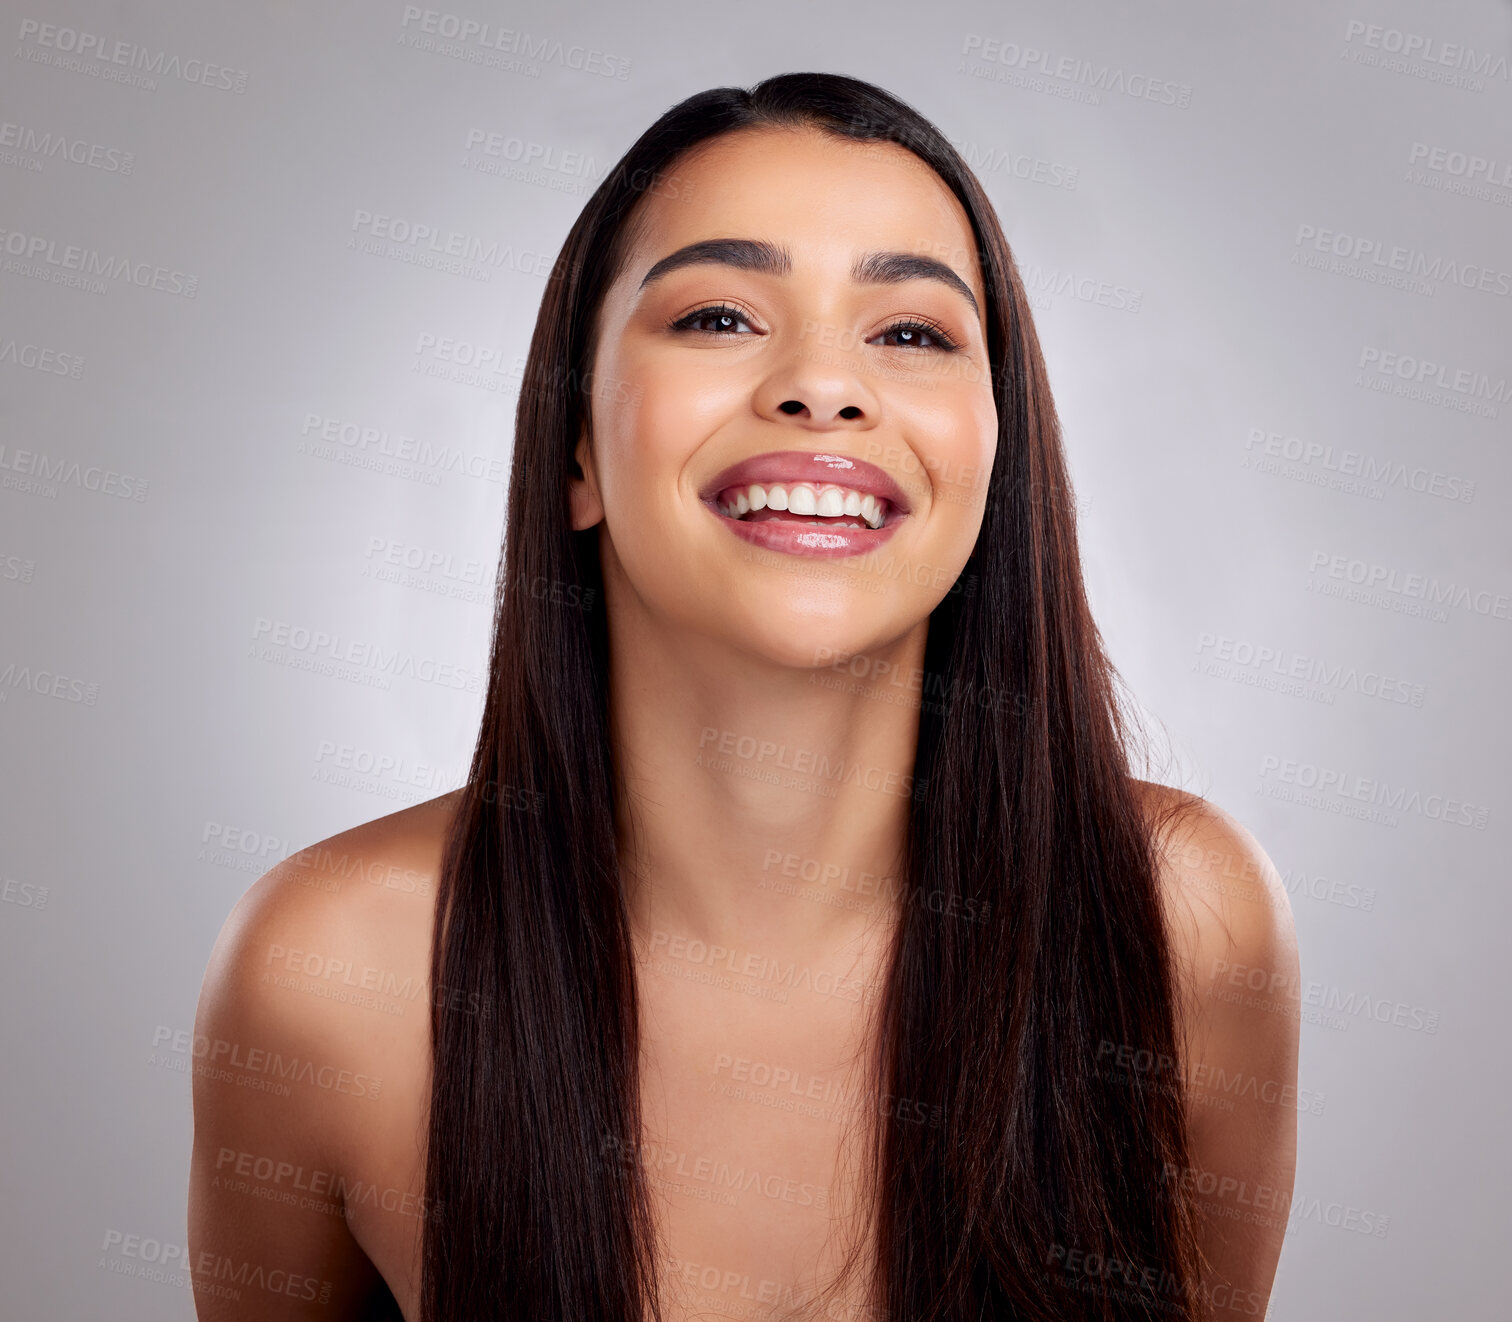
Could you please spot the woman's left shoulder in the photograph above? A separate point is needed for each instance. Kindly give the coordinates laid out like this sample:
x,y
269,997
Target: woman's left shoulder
x,y
1241,1008
1227,907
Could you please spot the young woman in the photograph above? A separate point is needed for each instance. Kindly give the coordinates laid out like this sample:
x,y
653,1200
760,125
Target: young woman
x,y
801,944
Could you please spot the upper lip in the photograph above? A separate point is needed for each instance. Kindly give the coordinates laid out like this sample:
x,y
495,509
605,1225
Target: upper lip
x,y
817,466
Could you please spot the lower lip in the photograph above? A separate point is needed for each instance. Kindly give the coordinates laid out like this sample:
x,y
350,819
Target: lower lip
x,y
809,539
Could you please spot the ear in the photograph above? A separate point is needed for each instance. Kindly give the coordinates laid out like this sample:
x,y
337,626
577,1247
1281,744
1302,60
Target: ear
x,y
587,508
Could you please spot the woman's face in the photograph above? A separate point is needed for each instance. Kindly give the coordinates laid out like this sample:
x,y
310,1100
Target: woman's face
x,y
831,339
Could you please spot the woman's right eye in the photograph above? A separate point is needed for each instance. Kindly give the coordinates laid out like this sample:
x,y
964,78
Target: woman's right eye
x,y
721,320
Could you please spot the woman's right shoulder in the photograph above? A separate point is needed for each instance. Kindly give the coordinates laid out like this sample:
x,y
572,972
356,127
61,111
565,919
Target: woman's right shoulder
x,y
311,1046
326,956
367,891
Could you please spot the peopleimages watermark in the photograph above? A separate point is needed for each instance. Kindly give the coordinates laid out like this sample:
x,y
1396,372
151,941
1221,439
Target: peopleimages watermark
x,y
23,894
209,1274
834,883
1413,593
476,42
1469,166
36,473
756,967
1233,1198
69,48
1346,785
240,848
1212,1085
429,569
766,759
494,368
1406,376
362,445
1259,987
336,971
379,765
421,243
818,1096
558,169
41,358
69,264
1074,72
1424,56
327,653
1353,470
23,144
1261,662
1117,1278
1242,876
47,684
731,1292
725,1183
17,568
307,1188
875,677
990,159
261,1067
1369,253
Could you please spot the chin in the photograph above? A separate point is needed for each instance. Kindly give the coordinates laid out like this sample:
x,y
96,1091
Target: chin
x,y
790,638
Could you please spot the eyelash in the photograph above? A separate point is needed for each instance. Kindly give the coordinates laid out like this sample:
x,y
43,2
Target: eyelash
x,y
944,342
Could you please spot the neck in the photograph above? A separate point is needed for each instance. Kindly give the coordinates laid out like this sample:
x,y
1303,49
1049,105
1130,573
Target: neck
x,y
763,807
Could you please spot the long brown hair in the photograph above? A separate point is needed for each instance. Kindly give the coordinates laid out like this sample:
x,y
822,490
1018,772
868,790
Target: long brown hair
x,y
1044,1194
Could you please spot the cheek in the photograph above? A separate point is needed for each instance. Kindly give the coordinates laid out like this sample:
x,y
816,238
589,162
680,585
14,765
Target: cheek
x,y
980,426
971,427
647,444
954,441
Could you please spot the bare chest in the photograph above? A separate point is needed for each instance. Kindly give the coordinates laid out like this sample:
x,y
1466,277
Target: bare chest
x,y
756,1119
754,1129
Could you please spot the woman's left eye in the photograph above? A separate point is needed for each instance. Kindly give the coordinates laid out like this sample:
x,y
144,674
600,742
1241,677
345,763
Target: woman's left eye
x,y
915,329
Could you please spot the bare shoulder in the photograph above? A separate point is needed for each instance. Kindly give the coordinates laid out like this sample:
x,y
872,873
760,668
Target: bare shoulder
x,y
366,887
1226,904
375,883
325,959
1235,945
312,1067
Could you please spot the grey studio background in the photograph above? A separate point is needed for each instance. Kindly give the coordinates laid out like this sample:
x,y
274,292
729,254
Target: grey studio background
x,y
254,436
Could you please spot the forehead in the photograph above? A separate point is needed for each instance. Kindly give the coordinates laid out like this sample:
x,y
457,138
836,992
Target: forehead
x,y
823,198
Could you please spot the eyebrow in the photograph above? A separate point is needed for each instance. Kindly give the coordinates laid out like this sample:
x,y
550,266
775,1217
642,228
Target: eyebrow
x,y
872,268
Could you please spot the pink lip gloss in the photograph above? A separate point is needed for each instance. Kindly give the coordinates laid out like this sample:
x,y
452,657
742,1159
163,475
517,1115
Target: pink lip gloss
x,y
797,536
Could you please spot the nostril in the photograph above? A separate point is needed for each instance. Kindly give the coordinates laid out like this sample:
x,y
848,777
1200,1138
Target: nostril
x,y
791,406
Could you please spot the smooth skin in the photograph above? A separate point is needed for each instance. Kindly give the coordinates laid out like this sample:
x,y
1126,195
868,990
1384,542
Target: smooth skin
x,y
748,970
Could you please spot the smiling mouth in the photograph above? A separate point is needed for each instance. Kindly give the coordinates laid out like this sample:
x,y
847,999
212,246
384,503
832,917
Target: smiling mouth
x,y
811,504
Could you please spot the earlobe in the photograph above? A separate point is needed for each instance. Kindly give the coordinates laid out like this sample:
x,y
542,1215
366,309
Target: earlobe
x,y
587,508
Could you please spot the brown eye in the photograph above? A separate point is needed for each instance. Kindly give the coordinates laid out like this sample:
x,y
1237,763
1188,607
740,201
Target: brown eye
x,y
720,320
918,334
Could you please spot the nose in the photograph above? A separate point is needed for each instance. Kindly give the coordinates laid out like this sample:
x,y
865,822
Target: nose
x,y
797,406
813,392
816,387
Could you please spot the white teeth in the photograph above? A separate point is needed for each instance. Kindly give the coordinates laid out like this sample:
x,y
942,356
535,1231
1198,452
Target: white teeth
x,y
825,500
